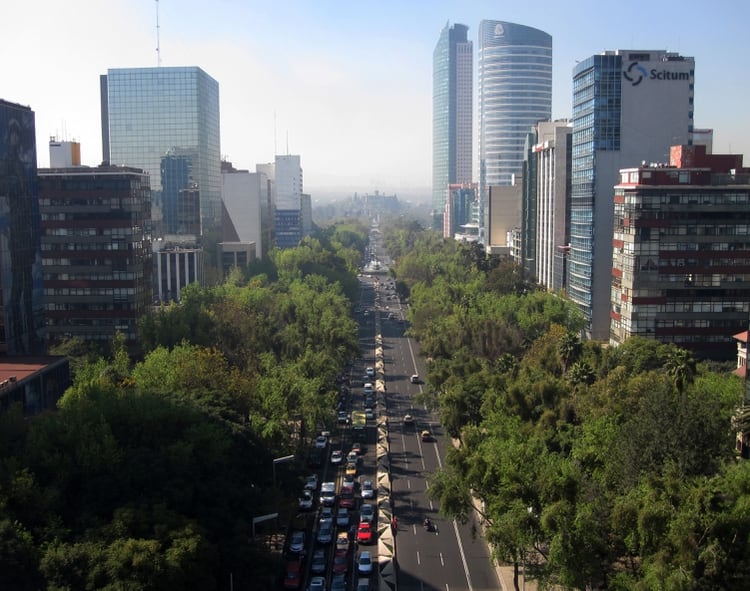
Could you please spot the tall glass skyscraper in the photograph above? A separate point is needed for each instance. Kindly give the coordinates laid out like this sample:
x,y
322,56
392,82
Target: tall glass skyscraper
x,y
451,113
629,106
515,93
149,113
22,328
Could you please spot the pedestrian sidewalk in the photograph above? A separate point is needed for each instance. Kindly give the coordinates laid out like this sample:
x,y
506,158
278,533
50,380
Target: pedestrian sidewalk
x,y
505,575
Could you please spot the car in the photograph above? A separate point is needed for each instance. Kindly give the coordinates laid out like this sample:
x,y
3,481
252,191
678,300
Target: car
x,y
370,372
343,417
325,513
363,584
315,459
306,501
337,456
364,563
342,541
414,379
408,420
368,389
357,447
297,542
338,582
369,414
340,562
317,583
342,517
426,435
293,576
351,468
352,456
328,493
346,498
364,533
319,561
325,531
366,512
311,482
367,490
321,441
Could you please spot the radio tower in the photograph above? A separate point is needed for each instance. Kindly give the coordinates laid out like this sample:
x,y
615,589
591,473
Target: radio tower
x,y
158,46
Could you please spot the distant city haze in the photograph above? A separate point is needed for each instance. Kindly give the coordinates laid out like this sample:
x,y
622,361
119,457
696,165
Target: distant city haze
x,y
347,86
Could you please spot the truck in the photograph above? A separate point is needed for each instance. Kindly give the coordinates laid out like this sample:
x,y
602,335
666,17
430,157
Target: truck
x,y
359,423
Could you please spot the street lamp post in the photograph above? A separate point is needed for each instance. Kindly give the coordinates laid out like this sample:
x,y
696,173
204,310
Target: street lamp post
x,y
279,461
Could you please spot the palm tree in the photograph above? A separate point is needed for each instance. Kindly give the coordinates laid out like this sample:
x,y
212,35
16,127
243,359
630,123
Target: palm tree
x,y
681,367
569,348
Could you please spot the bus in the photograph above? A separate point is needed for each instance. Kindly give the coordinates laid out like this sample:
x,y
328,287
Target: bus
x,y
359,422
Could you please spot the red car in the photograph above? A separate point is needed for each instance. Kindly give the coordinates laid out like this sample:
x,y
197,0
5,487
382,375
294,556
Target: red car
x,y
340,562
293,576
346,498
364,533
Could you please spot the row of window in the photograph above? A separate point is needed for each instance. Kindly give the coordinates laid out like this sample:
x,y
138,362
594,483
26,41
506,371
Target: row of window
x,y
93,291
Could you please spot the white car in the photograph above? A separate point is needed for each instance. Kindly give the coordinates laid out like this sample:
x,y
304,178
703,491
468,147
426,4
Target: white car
x,y
414,379
364,563
408,420
370,372
337,456
317,584
321,441
368,492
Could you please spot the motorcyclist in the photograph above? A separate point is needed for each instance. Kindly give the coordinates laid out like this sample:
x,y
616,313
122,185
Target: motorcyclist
x,y
427,523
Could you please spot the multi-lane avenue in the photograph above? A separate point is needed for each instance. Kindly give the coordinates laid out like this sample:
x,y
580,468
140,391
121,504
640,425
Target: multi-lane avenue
x,y
450,556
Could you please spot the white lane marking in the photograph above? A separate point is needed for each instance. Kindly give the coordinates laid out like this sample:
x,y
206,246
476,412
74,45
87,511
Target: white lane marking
x,y
418,560
463,556
442,562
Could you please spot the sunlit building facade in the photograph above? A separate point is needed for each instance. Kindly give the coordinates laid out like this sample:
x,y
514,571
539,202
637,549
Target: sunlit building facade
x,y
681,252
149,113
452,67
514,93
629,106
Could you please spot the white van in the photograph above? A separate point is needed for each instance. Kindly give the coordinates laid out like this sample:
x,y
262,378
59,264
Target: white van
x,y
414,379
328,493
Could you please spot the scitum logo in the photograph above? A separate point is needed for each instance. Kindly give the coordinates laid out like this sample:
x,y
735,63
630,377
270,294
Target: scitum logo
x,y
635,73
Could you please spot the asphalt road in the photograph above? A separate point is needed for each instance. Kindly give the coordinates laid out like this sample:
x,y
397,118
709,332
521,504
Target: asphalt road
x,y
450,557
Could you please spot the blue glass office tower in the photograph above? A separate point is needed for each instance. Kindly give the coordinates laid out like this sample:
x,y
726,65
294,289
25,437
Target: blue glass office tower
x,y
148,113
451,114
22,329
629,106
515,93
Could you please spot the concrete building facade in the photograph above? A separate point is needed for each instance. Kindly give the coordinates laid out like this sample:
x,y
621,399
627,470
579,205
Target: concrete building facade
x,y
681,252
628,106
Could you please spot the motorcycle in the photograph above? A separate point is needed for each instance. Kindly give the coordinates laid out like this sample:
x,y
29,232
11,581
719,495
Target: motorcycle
x,y
427,524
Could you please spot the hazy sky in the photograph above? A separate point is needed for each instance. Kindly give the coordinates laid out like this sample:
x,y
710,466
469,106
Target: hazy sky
x,y
348,83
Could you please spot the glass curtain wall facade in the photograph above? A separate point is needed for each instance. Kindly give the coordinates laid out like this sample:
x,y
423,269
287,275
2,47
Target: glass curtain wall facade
x,y
515,92
22,330
629,106
452,113
596,127
148,113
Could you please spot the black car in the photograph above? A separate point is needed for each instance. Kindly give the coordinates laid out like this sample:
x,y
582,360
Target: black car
x,y
315,458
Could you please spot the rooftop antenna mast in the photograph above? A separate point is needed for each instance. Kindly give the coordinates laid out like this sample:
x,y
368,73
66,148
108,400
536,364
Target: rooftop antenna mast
x,y
158,44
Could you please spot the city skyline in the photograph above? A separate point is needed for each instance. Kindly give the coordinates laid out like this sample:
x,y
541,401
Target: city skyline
x,y
349,88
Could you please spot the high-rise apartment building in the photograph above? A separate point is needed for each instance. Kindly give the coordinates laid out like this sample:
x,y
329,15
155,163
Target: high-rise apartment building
x,y
96,245
452,66
681,252
150,113
514,93
552,155
628,106
21,297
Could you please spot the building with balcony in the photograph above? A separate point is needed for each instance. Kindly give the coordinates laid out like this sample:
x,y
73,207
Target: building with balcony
x,y
681,252
96,249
